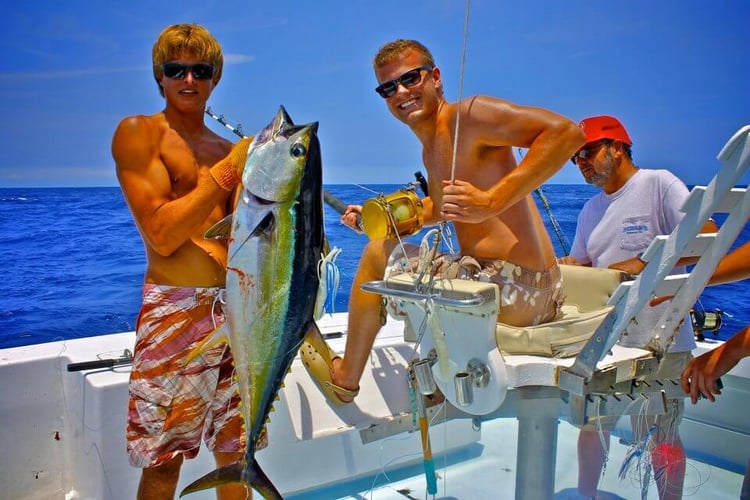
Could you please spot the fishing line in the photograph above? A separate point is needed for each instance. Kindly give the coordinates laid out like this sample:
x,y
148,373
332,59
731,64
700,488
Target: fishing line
x,y
392,221
640,450
460,89
365,188
384,465
426,262
605,448
407,456
220,298
444,453
693,488
93,447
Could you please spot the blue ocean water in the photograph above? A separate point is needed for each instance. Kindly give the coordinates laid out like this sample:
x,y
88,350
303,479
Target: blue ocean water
x,y
73,260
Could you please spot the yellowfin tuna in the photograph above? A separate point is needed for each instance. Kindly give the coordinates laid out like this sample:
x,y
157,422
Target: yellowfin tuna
x,y
275,241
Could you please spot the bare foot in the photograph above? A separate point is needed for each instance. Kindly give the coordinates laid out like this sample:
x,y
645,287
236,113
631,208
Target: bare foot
x,y
336,377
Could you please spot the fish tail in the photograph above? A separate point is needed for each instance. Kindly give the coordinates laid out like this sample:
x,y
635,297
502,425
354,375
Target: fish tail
x,y
260,483
232,473
252,476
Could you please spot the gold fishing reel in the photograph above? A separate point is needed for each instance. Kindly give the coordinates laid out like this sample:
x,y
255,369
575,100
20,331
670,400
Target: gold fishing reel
x,y
398,214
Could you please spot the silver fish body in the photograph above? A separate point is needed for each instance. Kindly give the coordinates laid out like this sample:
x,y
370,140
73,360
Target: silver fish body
x,y
275,241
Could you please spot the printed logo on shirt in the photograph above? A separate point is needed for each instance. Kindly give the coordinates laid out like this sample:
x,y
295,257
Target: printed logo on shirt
x,y
636,233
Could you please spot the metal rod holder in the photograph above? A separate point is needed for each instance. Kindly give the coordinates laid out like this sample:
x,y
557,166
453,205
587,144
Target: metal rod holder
x,y
464,388
425,380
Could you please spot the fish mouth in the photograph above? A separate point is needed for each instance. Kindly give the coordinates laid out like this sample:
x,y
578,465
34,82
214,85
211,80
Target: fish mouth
x,y
258,200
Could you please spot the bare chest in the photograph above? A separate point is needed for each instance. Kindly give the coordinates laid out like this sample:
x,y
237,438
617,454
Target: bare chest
x,y
184,159
438,160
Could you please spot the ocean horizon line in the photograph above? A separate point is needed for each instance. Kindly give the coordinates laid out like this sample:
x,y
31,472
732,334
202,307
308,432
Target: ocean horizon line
x,y
368,183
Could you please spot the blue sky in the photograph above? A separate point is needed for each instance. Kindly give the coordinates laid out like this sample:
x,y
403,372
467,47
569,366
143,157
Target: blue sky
x,y
676,72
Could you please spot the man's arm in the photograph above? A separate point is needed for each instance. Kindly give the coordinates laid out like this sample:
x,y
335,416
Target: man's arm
x,y
635,265
734,266
165,223
551,140
702,373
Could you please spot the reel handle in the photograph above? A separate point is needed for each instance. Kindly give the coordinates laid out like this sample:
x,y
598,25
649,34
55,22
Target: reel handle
x,y
339,206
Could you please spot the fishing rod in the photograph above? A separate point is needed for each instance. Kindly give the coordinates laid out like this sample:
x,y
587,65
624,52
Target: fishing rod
x,y
125,359
332,200
555,225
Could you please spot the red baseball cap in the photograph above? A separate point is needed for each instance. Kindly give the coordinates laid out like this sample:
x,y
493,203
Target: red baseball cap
x,y
604,127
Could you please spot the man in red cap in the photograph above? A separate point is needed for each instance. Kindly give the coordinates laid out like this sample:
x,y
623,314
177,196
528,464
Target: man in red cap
x,y
613,229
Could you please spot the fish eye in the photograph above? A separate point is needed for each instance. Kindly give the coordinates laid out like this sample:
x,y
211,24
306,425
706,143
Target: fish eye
x,y
298,150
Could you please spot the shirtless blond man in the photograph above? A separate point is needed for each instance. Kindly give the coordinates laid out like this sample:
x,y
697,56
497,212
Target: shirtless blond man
x,y
178,179
489,202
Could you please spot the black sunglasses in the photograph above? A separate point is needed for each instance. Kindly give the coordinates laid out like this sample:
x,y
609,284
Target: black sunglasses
x,y
178,71
585,153
408,79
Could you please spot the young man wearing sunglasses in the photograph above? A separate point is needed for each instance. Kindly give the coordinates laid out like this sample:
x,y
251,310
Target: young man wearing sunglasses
x,y
178,178
613,229
488,200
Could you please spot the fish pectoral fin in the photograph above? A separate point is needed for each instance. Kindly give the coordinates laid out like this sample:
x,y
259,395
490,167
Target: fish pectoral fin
x,y
220,230
261,228
218,336
265,224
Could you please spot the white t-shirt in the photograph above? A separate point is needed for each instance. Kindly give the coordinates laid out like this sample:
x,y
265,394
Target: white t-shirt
x,y
619,226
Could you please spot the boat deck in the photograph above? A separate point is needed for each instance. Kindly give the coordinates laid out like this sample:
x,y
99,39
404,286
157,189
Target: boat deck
x,y
486,469
716,444
67,433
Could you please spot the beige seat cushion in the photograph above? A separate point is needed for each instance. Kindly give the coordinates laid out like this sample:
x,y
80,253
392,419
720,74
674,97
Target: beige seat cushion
x,y
563,337
587,291
589,288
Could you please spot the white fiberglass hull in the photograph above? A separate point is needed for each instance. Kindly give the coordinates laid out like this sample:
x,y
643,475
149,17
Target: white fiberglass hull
x,y
63,434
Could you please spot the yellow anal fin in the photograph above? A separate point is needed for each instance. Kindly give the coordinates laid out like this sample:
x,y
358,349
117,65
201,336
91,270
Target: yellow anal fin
x,y
218,336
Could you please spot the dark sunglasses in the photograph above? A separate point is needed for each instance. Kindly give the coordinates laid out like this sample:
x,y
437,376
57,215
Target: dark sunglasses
x,y
178,71
586,153
408,79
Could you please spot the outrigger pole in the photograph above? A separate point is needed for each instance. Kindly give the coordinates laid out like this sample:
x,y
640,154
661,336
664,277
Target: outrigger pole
x,y
555,225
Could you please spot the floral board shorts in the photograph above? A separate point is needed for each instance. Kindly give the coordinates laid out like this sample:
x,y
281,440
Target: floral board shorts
x,y
527,297
172,402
